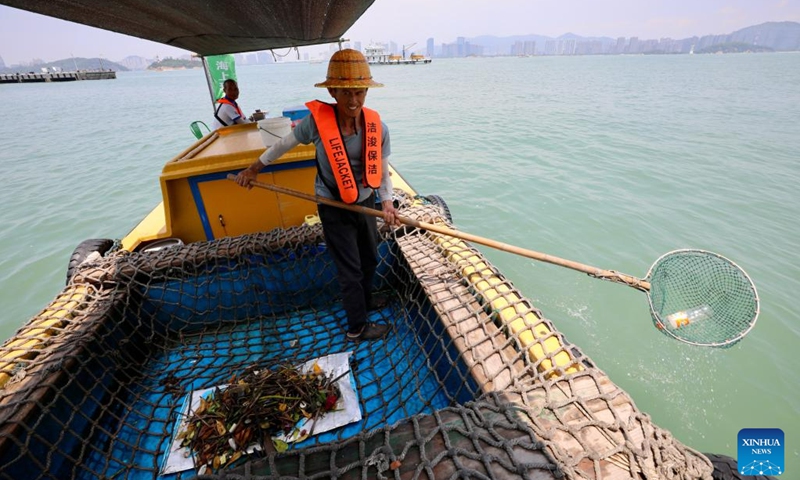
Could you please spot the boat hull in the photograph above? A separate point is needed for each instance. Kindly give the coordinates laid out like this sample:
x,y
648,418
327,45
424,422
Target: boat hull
x,y
467,355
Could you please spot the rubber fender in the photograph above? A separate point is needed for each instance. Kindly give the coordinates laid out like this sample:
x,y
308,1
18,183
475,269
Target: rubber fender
x,y
725,468
82,252
439,202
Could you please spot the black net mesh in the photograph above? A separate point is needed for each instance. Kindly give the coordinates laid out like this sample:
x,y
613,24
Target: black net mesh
x,y
485,439
472,380
702,298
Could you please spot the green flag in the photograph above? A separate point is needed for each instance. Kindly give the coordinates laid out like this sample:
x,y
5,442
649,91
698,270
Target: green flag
x,y
218,69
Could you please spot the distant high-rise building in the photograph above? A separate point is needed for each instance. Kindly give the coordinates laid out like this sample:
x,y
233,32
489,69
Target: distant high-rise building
x,y
471,49
448,50
523,48
530,47
566,47
392,48
688,44
429,50
550,47
2,63
705,41
134,62
649,46
357,46
462,49
633,45
620,46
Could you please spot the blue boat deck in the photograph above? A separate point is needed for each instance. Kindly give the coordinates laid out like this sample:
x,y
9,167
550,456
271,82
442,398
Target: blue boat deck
x,y
139,436
440,390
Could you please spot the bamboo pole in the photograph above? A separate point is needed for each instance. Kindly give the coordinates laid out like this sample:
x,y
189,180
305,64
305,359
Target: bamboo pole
x,y
609,275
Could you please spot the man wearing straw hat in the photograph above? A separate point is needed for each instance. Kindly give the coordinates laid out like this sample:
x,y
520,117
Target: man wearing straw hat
x,y
353,148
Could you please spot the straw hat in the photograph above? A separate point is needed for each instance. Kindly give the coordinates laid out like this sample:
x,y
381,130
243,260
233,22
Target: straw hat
x,y
348,69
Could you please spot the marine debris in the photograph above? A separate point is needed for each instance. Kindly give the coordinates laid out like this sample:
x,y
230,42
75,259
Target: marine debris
x,y
254,409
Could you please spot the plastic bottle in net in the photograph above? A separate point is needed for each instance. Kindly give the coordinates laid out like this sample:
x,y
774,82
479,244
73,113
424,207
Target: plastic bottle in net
x,y
689,316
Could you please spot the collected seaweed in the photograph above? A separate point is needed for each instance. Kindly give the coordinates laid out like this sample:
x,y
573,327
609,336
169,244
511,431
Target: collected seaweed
x,y
254,408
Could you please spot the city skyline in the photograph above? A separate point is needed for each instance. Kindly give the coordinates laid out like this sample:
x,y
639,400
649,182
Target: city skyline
x,y
780,36
415,21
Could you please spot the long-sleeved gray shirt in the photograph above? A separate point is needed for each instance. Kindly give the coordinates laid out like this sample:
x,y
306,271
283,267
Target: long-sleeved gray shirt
x,y
307,132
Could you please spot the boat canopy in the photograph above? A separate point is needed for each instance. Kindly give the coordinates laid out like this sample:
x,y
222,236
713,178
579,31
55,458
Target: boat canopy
x,y
211,27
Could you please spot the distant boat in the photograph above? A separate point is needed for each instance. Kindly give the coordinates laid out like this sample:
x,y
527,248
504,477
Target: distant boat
x,y
376,55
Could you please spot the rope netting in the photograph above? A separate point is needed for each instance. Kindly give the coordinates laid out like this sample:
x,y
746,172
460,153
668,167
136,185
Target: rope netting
x,y
472,380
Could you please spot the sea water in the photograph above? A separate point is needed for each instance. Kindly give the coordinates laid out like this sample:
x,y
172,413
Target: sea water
x,y
606,160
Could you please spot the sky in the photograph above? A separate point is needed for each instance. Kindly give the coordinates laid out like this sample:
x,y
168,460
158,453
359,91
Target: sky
x,y
408,21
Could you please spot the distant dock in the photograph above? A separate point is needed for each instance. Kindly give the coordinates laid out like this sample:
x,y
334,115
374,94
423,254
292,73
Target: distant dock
x,y
32,77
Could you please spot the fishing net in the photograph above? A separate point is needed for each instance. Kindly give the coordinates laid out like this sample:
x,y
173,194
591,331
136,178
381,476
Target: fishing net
x,y
702,298
472,381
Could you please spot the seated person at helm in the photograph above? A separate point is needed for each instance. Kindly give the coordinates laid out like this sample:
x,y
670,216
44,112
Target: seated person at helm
x,y
228,112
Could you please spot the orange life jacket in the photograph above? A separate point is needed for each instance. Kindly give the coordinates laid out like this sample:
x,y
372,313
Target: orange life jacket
x,y
232,104
325,118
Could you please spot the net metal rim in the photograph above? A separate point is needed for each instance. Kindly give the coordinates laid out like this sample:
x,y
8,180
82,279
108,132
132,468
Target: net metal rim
x,y
728,342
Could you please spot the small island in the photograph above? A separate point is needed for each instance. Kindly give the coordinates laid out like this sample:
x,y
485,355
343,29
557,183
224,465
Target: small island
x,y
174,64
